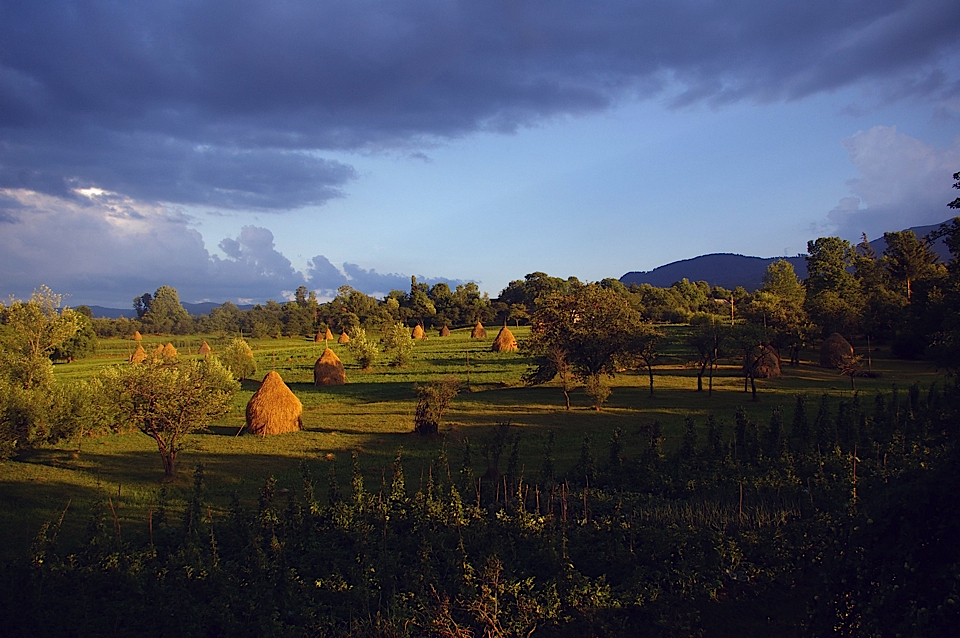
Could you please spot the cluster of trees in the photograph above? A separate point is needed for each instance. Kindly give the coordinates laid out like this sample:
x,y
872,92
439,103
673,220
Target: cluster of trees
x,y
833,520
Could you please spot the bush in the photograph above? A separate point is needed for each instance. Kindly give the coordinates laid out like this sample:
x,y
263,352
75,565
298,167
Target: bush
x,y
399,344
363,350
238,359
433,400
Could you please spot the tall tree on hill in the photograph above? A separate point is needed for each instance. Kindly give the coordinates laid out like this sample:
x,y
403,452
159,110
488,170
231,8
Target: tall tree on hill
x,y
834,300
908,258
162,313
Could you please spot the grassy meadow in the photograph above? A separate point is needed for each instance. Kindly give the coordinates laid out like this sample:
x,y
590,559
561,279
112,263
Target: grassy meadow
x,y
373,416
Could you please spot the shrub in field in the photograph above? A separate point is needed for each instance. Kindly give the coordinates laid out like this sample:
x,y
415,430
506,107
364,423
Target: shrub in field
x,y
399,344
433,399
238,359
364,350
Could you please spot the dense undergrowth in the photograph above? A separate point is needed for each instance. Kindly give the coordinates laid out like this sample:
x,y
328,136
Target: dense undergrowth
x,y
834,522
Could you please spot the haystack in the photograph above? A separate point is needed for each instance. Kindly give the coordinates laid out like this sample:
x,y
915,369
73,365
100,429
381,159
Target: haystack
x,y
444,331
137,336
274,409
505,341
158,353
319,337
343,338
328,336
329,369
139,355
834,350
478,331
418,332
204,349
169,353
768,365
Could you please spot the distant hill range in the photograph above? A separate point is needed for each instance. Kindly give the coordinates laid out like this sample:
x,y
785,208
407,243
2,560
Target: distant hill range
x,y
195,309
729,270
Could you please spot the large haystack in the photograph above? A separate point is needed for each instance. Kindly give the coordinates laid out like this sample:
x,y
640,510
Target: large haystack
x,y
274,409
478,331
768,365
329,369
417,332
505,341
139,355
137,336
343,338
834,350
204,349
444,331
169,352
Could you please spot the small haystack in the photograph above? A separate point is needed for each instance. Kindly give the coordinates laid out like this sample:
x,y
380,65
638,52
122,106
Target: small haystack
x,y
158,353
343,338
137,336
319,337
505,341
767,365
329,369
169,353
478,331
834,350
274,409
328,336
139,355
418,332
445,331
204,349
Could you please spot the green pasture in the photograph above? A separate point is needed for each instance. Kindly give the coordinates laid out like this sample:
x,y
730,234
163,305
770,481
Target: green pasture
x,y
373,416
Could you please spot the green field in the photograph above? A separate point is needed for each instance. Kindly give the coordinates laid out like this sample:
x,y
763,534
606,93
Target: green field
x,y
373,416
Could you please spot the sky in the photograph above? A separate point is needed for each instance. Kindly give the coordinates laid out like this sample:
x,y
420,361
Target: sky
x,y
238,149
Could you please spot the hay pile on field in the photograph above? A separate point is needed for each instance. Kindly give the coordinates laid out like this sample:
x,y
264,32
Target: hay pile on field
x,y
274,409
204,349
158,353
505,341
834,350
169,353
343,338
139,355
418,332
444,331
766,365
329,369
137,336
478,331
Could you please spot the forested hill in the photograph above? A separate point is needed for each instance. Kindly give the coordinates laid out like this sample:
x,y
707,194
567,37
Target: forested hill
x,y
718,269
195,309
729,270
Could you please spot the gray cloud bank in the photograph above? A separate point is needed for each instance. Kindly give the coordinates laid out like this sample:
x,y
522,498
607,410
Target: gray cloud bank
x,y
227,104
104,249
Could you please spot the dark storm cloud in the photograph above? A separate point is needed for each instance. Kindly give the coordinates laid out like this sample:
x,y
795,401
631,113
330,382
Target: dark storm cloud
x,y
226,103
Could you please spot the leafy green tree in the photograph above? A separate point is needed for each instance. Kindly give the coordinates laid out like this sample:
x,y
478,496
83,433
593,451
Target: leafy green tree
x,y
433,399
908,258
779,306
596,328
82,344
708,339
834,299
32,330
162,313
167,401
238,359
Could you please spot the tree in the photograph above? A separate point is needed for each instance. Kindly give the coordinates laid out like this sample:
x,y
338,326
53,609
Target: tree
x,y
238,359
83,342
162,313
32,330
834,300
908,258
596,328
167,401
778,305
708,340
364,350
433,399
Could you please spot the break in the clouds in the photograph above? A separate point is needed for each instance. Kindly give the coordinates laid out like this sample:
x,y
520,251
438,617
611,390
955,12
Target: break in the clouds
x,y
234,104
902,182
99,247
